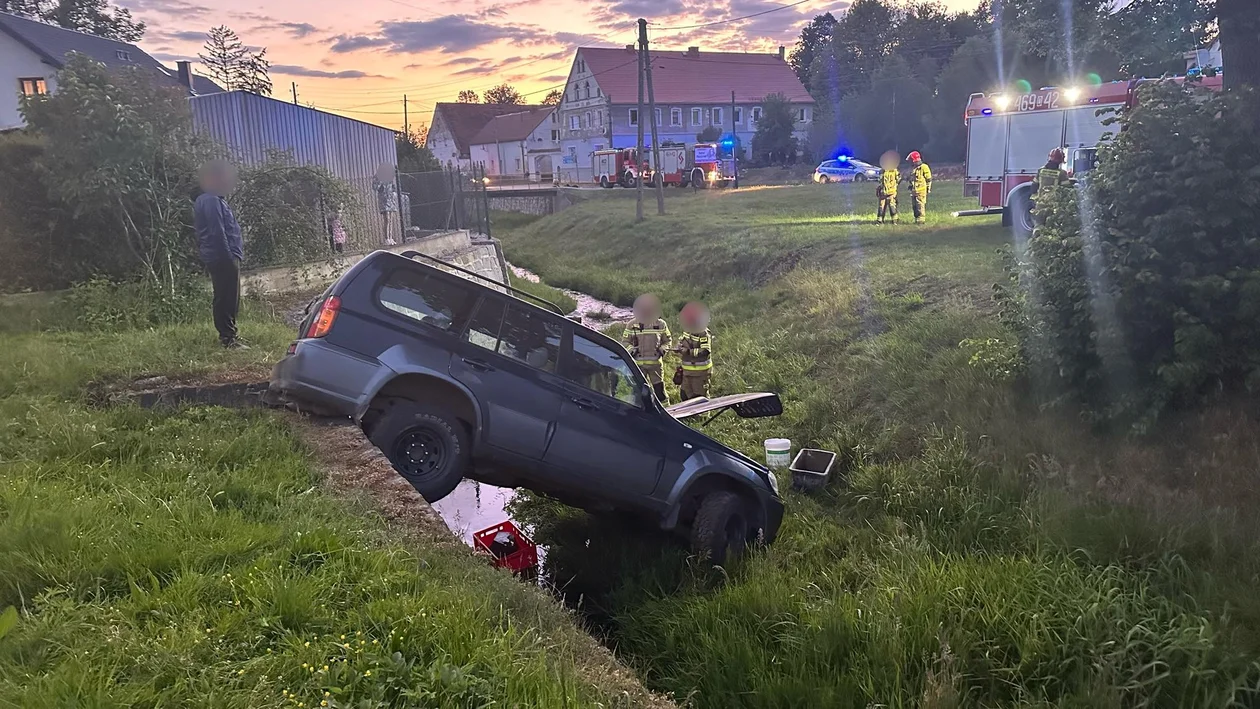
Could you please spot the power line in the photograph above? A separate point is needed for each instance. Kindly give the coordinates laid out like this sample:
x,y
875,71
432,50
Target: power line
x,y
733,19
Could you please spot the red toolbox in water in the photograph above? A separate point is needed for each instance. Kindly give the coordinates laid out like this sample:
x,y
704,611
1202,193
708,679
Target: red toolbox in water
x,y
508,546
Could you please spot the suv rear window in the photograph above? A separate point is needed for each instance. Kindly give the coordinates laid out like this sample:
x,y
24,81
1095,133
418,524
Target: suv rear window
x,y
425,298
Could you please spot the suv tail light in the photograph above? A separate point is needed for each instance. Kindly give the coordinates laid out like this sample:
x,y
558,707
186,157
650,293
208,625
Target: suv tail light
x,y
323,321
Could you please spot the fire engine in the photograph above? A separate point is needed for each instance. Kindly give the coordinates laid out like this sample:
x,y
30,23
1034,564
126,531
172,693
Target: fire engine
x,y
707,168
673,168
619,166
1009,136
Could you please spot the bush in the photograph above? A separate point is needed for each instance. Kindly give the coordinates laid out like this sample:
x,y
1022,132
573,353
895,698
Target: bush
x,y
100,304
1141,291
282,207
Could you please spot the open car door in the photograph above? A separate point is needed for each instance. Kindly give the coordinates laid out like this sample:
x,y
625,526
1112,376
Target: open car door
x,y
749,406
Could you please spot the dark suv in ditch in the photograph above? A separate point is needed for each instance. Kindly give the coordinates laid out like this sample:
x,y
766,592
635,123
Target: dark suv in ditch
x,y
452,375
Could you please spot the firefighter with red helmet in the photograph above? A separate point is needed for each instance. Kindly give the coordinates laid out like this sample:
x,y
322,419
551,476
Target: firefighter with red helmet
x,y
1050,176
920,179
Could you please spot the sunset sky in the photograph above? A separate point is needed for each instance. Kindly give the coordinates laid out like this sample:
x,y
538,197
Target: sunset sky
x,y
359,58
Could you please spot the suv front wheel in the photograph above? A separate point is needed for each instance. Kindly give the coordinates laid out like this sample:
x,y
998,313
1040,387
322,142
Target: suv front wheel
x,y
723,526
428,446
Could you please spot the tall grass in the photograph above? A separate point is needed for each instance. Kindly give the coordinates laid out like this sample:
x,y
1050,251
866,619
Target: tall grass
x,y
944,569
191,558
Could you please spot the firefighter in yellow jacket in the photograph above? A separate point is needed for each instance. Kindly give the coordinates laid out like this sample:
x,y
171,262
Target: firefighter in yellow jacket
x,y
696,348
920,185
647,339
887,194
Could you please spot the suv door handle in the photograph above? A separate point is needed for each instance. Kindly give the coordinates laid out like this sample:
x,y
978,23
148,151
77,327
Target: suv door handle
x,y
582,403
477,364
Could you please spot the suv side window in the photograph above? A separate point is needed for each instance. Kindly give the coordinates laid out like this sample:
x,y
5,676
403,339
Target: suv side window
x,y
603,370
483,329
530,338
426,298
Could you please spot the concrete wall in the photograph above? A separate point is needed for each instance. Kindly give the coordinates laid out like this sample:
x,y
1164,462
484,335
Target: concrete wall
x,y
474,252
18,62
539,204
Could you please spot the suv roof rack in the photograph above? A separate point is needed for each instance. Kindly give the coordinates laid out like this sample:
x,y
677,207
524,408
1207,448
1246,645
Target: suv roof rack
x,y
515,291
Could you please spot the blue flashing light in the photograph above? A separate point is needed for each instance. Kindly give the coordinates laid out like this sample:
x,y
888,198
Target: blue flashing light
x,y
842,157
987,111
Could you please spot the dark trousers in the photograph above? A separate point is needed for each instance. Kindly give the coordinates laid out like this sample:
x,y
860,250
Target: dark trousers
x,y
225,277
888,204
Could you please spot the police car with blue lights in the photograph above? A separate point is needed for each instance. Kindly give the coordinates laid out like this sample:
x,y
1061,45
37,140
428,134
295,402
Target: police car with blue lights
x,y
845,169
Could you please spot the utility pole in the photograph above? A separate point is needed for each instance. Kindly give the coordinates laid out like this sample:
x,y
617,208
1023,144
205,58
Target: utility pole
x,y
294,85
734,141
656,142
406,125
638,182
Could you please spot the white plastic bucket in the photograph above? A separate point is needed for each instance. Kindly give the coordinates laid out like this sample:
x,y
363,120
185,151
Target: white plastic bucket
x,y
778,452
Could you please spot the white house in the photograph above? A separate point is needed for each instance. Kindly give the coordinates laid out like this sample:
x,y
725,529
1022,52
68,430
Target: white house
x,y
454,125
31,52
522,144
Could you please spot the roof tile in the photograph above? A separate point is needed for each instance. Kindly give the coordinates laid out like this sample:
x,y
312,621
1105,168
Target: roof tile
x,y
703,77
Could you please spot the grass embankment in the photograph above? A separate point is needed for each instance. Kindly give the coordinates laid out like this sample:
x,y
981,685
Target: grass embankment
x,y
977,553
192,558
544,291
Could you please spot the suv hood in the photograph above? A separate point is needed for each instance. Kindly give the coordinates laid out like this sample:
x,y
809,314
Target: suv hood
x,y
749,406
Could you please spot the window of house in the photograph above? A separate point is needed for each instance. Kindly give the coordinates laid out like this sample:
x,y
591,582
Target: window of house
x,y
739,114
697,116
555,117
717,116
603,371
586,120
756,114
634,116
426,298
33,87
122,54
573,122
518,164
530,338
675,116
600,118
802,114
555,135
597,93
658,117
587,87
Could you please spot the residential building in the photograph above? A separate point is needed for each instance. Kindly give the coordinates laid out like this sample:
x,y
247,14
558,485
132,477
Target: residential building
x,y
31,52
454,125
693,90
523,144
1209,57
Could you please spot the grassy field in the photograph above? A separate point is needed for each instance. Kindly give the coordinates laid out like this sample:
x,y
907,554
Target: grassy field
x,y
192,558
980,552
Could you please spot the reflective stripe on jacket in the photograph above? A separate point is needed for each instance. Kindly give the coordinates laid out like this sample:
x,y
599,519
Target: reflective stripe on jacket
x,y
921,179
1049,177
646,343
697,351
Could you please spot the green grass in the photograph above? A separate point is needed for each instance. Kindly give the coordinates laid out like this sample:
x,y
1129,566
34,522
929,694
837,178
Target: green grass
x,y
977,553
192,559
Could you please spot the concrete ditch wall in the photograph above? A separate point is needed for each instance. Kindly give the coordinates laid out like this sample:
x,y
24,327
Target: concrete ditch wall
x,y
540,204
475,252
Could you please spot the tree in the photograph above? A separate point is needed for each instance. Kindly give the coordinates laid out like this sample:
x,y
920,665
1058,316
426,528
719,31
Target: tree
x,y
468,96
122,146
503,95
1150,36
1240,42
773,141
553,98
412,155
96,17
815,38
232,65
709,134
971,68
888,115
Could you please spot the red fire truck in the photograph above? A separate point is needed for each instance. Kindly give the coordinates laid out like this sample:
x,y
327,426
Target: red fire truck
x,y
673,168
1009,136
619,166
708,169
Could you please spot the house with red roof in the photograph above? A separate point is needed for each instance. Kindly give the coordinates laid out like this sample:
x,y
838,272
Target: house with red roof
x,y
454,126
521,144
693,89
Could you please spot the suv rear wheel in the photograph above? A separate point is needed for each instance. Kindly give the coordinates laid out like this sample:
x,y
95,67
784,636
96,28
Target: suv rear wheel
x,y
722,528
427,445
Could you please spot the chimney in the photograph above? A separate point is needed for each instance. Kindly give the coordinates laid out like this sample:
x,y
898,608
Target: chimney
x,y
781,52
185,73
693,51
629,47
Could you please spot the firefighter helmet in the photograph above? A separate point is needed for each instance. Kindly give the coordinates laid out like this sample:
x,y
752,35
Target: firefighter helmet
x,y
914,156
1057,156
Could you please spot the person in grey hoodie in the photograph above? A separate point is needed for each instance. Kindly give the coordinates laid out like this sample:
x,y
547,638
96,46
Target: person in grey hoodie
x,y
220,245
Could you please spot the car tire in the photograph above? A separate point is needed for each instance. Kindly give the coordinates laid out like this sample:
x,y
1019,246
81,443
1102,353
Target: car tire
x,y
697,179
859,178
824,180
1020,208
722,527
427,445
603,182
